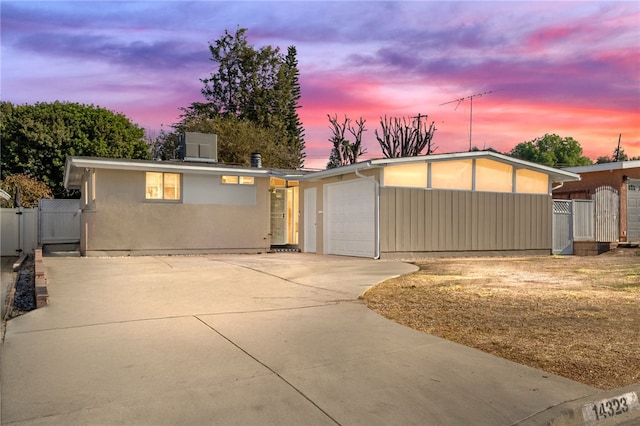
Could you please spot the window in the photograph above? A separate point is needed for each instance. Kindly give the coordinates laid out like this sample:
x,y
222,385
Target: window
x,y
163,186
454,174
493,176
529,181
409,175
238,180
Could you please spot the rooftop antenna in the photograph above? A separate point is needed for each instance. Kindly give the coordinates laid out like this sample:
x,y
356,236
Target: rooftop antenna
x,y
460,100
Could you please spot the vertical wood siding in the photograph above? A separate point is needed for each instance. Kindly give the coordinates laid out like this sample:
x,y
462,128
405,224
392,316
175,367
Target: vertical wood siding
x,y
418,220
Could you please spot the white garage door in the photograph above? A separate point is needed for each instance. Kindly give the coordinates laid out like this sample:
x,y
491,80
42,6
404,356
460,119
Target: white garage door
x,y
349,218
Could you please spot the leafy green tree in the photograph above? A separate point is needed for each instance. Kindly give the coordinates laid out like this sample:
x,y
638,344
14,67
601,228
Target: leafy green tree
x,y
256,85
551,150
406,137
36,139
345,152
237,140
26,189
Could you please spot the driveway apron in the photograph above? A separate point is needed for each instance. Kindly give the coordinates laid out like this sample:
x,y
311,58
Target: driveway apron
x,y
247,340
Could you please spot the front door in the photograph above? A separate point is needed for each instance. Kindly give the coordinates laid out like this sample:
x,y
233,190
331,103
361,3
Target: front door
x,y
278,216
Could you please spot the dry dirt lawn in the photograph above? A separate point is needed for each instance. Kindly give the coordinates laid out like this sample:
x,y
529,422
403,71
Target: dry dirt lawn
x,y
577,317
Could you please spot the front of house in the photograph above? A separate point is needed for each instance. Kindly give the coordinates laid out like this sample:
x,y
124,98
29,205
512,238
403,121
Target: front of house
x,y
149,207
470,203
454,204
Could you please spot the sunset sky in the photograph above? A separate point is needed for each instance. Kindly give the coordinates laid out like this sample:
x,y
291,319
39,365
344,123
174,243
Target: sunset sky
x,y
564,67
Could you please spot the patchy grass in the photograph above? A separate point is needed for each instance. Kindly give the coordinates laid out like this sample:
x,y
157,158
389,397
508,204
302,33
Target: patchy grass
x,y
578,317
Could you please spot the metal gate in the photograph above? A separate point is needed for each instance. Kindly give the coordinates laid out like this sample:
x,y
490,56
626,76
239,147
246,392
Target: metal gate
x,y
633,210
59,221
607,203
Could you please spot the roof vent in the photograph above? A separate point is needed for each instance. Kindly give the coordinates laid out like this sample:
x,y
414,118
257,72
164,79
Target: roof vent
x,y
195,146
256,160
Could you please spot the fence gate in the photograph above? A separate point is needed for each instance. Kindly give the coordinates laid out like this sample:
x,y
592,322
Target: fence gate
x,y
633,210
18,230
59,221
584,228
607,202
562,227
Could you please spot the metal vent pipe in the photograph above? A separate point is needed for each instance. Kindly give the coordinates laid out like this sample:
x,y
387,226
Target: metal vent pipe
x,y
256,160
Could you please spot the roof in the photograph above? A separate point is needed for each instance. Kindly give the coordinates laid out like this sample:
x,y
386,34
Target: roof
x,y
605,167
557,175
74,168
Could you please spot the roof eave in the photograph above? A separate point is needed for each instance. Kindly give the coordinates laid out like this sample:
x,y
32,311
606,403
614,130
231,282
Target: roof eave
x,y
556,174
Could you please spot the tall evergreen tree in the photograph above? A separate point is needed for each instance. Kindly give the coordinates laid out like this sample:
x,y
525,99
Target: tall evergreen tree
x,y
294,127
258,85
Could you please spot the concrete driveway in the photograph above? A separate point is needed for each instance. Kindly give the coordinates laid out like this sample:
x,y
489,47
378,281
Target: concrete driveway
x,y
270,339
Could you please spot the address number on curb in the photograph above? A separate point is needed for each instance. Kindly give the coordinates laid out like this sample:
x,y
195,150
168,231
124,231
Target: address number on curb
x,y
605,409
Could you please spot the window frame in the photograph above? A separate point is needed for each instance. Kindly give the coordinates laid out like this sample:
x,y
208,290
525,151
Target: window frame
x,y
237,180
163,188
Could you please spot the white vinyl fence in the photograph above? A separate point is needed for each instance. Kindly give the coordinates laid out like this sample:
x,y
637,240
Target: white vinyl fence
x,y
59,221
18,230
573,220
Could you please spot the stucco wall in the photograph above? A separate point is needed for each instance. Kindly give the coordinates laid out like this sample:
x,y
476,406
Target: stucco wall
x,y
121,220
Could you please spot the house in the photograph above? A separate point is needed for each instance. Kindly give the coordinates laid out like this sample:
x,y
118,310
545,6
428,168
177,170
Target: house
x,y
615,189
449,204
455,204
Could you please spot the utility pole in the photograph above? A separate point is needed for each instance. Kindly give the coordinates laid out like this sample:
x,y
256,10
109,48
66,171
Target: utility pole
x,y
618,149
460,100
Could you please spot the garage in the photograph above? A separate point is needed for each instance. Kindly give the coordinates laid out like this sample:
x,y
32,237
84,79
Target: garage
x,y
349,218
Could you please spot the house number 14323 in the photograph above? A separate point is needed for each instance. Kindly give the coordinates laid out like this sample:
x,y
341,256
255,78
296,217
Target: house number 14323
x,y
607,408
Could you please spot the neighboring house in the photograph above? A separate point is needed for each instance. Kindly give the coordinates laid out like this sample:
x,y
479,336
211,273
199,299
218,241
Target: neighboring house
x,y
615,189
460,204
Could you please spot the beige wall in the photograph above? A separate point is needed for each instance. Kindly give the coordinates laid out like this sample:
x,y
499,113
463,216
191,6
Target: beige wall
x,y
121,220
418,220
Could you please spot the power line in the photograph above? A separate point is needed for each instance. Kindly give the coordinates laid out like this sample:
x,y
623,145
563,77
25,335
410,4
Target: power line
x,y
460,100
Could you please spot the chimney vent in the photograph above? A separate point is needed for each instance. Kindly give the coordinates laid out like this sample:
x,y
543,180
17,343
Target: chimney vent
x,y
256,160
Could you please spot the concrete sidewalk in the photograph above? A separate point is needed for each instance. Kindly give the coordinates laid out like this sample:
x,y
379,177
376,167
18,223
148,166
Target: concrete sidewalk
x,y
247,340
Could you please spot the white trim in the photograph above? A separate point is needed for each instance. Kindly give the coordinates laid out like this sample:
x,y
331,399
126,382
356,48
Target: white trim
x,y
556,174
74,164
616,165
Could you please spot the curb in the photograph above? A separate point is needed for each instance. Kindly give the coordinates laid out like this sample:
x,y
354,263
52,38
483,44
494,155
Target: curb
x,y
601,409
42,294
